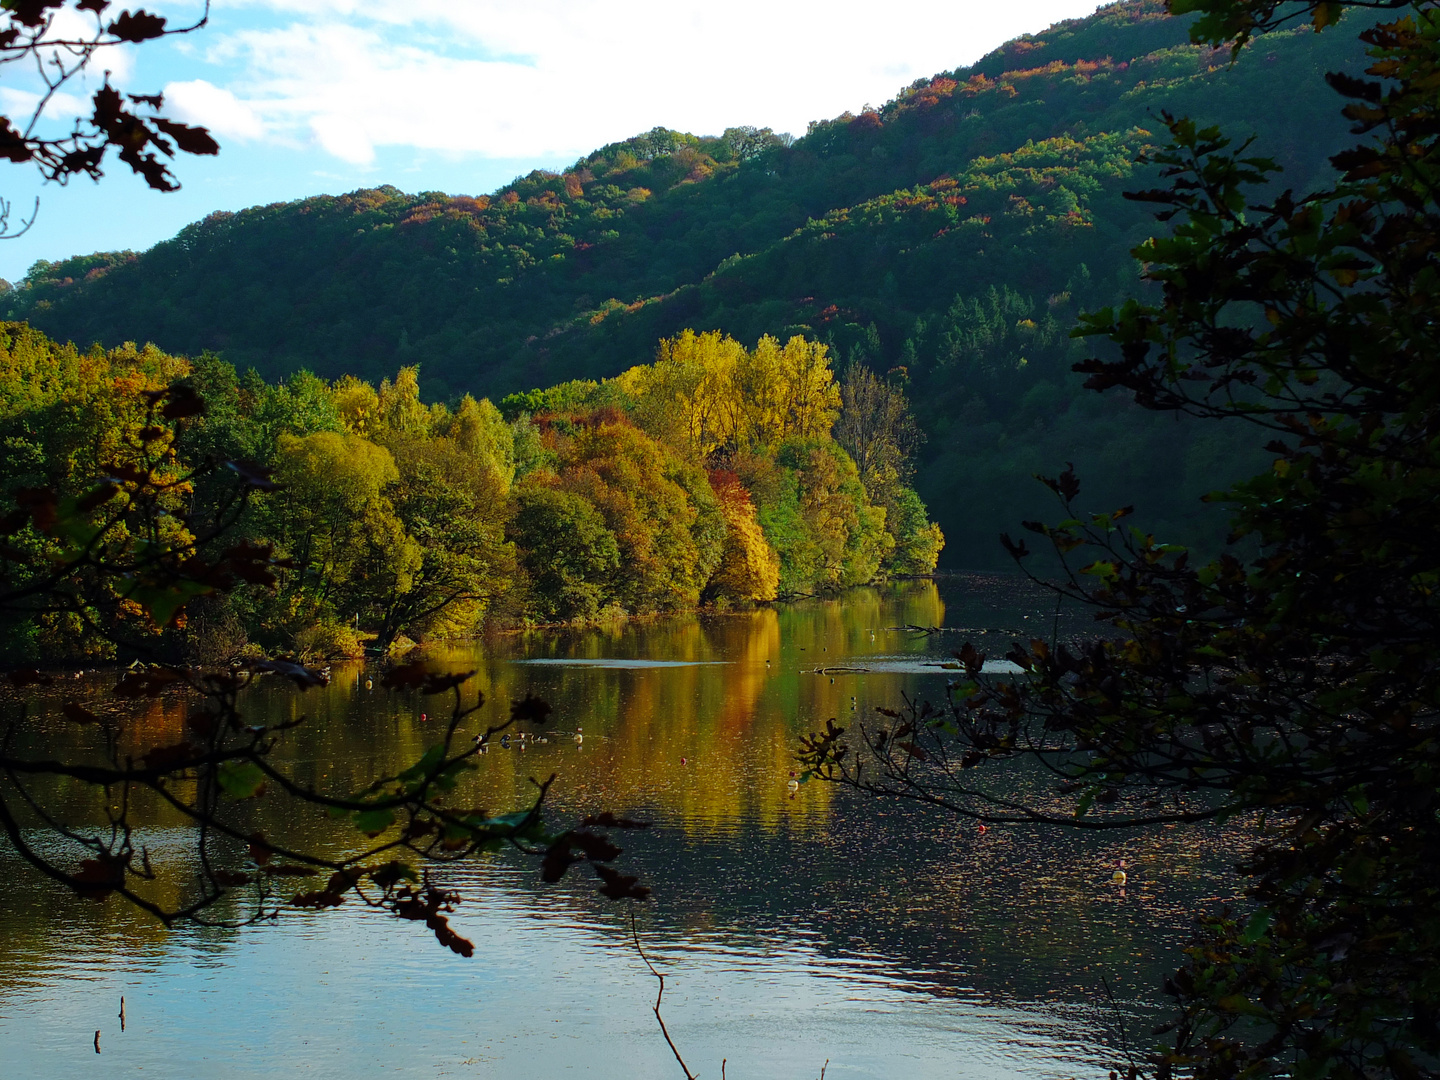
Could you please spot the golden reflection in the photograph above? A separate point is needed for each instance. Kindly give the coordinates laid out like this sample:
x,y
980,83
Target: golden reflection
x,y
704,744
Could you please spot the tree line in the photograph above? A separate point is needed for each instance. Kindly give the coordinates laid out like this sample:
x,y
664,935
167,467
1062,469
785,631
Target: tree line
x,y
716,475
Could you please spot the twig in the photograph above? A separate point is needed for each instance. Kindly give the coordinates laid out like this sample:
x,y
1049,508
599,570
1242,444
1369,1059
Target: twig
x,y
823,1068
1120,1025
635,934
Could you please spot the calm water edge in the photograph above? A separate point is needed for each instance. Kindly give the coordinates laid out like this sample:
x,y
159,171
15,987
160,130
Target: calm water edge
x,y
887,941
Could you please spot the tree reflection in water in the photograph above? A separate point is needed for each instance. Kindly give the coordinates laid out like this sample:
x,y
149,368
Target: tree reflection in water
x,y
795,927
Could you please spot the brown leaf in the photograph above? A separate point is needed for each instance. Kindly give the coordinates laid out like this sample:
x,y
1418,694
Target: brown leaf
x,y
97,496
147,683
99,877
914,751
41,504
193,140
439,684
201,724
170,758
409,676
253,475
184,401
607,820
558,859
299,674
137,26
447,937
317,900
260,851
530,708
78,713
620,886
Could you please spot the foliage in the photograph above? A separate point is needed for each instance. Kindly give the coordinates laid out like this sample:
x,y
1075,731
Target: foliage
x,y
392,518
884,231
130,546
60,38
1292,680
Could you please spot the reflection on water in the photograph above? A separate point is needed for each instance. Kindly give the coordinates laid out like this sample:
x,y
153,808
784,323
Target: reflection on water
x,y
793,929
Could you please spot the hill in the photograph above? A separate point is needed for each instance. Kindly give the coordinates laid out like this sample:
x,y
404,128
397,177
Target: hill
x,y
955,231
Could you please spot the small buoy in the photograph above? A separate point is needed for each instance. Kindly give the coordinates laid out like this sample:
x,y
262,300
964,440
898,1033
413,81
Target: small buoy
x,y
579,738
424,717
793,786
369,684
1119,877
505,741
684,761
984,828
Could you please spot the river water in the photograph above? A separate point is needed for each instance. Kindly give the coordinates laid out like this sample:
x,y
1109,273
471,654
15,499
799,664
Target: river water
x,y
794,931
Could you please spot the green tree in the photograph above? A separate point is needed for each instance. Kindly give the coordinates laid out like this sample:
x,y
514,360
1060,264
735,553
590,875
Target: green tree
x,y
1293,681
569,553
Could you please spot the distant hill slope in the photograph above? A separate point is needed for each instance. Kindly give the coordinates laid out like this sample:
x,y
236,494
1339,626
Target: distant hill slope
x,y
955,231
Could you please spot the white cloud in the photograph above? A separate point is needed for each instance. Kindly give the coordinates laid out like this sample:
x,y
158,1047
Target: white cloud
x,y
203,103
505,78
20,106
343,137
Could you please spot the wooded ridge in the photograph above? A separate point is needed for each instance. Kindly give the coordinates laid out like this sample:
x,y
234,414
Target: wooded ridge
x,y
955,232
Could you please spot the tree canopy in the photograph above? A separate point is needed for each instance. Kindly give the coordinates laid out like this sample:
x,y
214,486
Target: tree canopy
x,y
1291,681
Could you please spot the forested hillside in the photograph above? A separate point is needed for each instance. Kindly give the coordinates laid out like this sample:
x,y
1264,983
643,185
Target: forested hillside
x,y
954,232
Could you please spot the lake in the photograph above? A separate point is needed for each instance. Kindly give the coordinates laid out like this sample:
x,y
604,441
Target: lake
x,y
793,931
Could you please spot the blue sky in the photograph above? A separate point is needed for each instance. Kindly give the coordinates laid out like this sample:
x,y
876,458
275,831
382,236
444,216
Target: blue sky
x,y
325,96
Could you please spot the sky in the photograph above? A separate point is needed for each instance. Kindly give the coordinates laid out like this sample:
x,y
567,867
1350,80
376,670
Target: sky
x,y
311,97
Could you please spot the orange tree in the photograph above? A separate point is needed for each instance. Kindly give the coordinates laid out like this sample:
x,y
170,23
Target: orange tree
x,y
1294,679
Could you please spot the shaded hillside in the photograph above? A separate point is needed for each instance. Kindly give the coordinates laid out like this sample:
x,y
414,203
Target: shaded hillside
x,y
955,231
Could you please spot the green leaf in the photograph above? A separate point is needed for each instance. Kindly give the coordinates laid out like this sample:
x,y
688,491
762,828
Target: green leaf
x,y
1256,927
241,779
424,766
374,822
163,602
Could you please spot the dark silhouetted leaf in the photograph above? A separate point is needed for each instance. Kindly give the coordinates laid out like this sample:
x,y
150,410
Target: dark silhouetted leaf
x,y
302,676
137,26
149,682
253,475
192,140
620,886
260,851
170,758
78,713
530,708
607,820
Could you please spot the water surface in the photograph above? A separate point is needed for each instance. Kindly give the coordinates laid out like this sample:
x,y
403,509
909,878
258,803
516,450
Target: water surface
x,y
890,941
